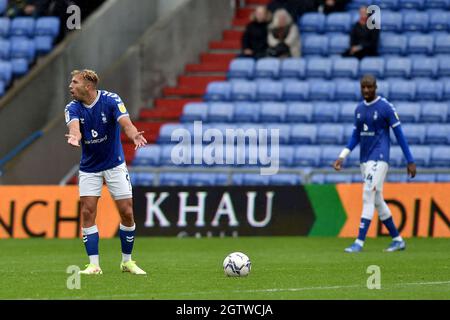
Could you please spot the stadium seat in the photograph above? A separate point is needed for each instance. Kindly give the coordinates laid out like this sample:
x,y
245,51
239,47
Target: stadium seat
x,y
393,44
285,179
440,156
318,68
391,21
19,67
437,4
268,90
424,67
296,91
293,68
444,66
437,134
422,155
443,177
348,131
5,25
414,133
237,179
338,43
43,44
143,179
396,177
398,67
5,49
312,22
307,156
336,178
325,112
321,90
241,68
165,132
246,112
420,44
356,4
348,90
22,26
415,21
347,112
353,160
267,68
303,134
299,112
442,44
408,111
338,22
47,26
286,156
372,65
315,45
383,88
434,112
439,21
328,155
273,112
345,68
330,134
284,131
3,6
429,90
396,156
202,179
424,177
411,4
147,156
220,112
195,111
218,91
243,90
255,179
402,90
22,48
174,179
6,72
387,4
446,93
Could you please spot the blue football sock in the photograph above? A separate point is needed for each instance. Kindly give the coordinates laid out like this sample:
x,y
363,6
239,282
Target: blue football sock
x,y
363,228
90,239
127,238
389,223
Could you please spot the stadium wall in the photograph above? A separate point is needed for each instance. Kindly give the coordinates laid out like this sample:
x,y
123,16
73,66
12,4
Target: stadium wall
x,y
419,210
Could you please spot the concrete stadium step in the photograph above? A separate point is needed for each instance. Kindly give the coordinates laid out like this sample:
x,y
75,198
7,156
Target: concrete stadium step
x,y
225,44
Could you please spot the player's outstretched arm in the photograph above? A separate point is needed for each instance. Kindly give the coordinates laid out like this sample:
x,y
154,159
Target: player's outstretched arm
x,y
132,133
74,135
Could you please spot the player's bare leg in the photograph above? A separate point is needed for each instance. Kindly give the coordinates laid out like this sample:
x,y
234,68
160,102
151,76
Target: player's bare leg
x,y
88,210
126,233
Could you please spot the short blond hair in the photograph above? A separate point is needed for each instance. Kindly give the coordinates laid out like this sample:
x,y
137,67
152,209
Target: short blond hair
x,y
88,75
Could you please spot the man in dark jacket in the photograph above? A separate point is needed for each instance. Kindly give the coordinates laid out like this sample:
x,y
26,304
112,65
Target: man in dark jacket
x,y
254,40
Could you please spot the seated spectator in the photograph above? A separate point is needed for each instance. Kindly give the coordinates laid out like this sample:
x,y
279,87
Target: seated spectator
x,y
291,6
284,37
31,8
254,40
363,41
329,6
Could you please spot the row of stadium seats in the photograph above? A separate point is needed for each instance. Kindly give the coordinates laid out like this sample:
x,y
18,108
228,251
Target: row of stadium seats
x,y
390,43
380,67
337,89
401,4
419,21
21,47
29,27
301,112
323,133
302,156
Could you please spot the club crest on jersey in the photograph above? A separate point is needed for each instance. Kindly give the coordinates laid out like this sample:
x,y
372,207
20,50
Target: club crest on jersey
x,y
104,118
122,108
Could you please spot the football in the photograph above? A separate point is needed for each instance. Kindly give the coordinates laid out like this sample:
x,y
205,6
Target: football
x,y
237,264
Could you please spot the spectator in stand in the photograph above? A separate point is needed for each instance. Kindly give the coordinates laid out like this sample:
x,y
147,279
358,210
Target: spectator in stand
x,y
291,6
254,40
329,6
30,8
284,36
363,41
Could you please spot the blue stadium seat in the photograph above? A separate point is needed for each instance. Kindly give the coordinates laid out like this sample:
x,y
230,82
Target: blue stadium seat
x,y
356,4
273,112
255,179
412,4
318,68
307,156
348,90
423,178
391,21
408,111
174,179
218,91
312,22
437,134
422,155
286,156
195,111
299,112
43,44
424,67
221,179
446,93
429,90
338,22
23,49
296,91
353,160
345,68
284,131
246,112
414,133
237,179
415,21
303,134
269,90
329,155
293,68
402,90
285,179
398,67
396,156
348,131
315,45
147,156
325,112
321,90
442,44
336,178
330,134
242,90
47,26
393,44
5,49
396,177
22,26
439,21
372,65
3,6
6,72
437,4
19,66
440,156
220,112
387,4
383,88
444,66
5,25
443,177
165,132
420,44
338,43
202,179
143,179
241,68
347,111
434,112
267,68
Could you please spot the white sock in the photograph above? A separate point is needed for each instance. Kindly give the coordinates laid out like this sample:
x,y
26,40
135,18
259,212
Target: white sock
x,y
399,238
94,260
359,242
126,257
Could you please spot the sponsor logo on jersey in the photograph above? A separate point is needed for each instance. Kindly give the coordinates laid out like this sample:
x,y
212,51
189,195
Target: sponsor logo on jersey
x,y
122,108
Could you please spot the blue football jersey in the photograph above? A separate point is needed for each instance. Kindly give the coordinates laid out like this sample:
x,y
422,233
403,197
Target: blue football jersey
x,y
100,131
372,122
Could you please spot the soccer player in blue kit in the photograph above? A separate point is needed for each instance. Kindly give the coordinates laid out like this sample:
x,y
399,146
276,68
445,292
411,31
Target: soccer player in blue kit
x,y
373,119
95,118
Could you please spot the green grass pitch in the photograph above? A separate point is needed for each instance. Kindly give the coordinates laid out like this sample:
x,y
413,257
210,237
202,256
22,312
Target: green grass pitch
x,y
191,269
